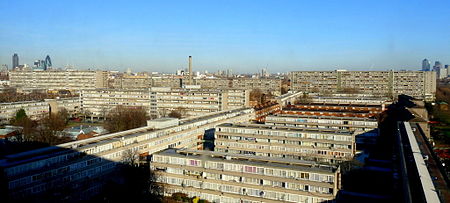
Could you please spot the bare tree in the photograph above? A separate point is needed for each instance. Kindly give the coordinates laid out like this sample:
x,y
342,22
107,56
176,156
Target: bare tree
x,y
304,99
86,113
64,115
175,114
178,113
130,157
124,118
49,128
285,83
28,127
255,95
284,89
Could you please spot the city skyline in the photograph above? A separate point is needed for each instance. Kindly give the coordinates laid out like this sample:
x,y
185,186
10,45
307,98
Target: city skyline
x,y
242,36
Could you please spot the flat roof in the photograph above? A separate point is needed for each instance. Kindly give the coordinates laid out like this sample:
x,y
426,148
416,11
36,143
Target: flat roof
x,y
337,104
326,110
6,131
163,119
289,128
45,152
283,163
322,117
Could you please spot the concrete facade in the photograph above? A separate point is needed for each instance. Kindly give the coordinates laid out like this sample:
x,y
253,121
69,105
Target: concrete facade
x,y
57,80
224,177
418,84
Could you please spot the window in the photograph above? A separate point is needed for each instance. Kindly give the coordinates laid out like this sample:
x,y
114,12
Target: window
x,y
194,162
250,169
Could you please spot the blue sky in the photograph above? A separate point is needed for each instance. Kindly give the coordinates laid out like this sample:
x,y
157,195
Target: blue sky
x,y
241,35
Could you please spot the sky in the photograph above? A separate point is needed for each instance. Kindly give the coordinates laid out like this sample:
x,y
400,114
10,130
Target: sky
x,y
243,35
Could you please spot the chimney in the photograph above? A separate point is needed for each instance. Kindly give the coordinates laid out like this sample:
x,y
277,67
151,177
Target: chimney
x,y
190,70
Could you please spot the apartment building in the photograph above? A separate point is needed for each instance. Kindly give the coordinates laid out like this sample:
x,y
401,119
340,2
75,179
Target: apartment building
x,y
160,101
78,166
175,82
33,109
291,109
263,110
195,101
418,84
225,177
344,110
219,83
73,80
326,122
131,82
99,102
264,84
38,109
71,104
349,99
288,98
311,144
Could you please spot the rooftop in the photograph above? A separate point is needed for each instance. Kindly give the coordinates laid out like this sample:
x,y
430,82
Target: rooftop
x,y
321,117
247,159
289,128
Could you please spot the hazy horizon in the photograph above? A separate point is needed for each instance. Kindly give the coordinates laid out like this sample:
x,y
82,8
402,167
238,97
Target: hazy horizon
x,y
244,36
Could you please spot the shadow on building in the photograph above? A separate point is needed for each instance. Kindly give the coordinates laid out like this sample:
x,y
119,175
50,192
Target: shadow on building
x,y
378,178
56,174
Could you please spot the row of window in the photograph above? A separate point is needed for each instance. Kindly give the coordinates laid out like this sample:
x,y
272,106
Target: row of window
x,y
347,137
286,146
276,119
242,190
235,167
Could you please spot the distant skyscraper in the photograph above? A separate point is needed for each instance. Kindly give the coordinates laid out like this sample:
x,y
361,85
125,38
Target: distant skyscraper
x,y
229,73
437,66
15,61
426,65
39,65
264,73
440,70
47,63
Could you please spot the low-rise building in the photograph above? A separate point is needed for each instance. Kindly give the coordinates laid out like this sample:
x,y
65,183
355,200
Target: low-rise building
x,y
75,131
38,109
33,109
225,177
